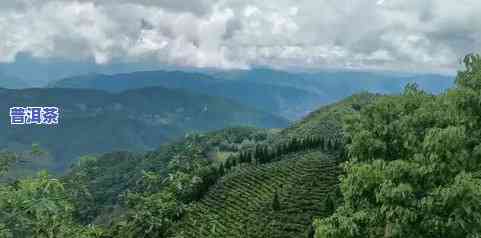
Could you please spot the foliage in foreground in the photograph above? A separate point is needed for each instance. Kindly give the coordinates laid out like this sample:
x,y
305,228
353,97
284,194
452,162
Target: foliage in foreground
x,y
412,166
39,207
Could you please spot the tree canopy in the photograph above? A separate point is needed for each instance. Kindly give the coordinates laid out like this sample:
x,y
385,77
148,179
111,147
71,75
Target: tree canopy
x,y
412,166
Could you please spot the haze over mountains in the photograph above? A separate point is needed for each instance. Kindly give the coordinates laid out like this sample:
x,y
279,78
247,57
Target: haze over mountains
x,y
94,121
138,111
11,82
291,95
286,101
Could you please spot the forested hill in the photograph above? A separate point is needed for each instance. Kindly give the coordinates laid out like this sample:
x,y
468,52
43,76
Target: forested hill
x,y
289,102
404,165
288,181
328,120
225,184
220,184
94,121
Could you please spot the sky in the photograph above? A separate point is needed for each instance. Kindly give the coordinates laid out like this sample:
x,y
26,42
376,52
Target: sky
x,y
393,35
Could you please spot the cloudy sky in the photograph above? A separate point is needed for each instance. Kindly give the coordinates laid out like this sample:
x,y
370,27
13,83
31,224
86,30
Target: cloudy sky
x,y
405,35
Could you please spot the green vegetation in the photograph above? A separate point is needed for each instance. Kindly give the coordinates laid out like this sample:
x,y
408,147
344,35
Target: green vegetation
x,y
97,185
112,189
327,121
411,168
95,122
413,165
26,163
6,159
38,207
241,204
151,195
332,86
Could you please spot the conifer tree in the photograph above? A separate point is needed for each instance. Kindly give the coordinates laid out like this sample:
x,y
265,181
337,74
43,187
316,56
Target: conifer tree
x,y
228,163
221,170
330,204
276,205
311,232
241,156
265,155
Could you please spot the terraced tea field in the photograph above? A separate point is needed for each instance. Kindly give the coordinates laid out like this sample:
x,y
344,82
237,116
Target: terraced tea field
x,y
327,121
240,204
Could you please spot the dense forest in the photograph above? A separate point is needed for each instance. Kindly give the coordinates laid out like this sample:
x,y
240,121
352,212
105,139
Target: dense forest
x,y
404,165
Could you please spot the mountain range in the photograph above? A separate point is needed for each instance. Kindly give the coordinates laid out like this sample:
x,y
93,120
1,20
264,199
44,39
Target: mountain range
x,y
289,94
138,111
333,86
94,121
7,81
289,102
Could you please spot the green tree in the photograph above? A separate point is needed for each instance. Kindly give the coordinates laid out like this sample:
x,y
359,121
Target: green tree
x,y
276,204
330,204
311,232
412,160
6,159
39,207
150,215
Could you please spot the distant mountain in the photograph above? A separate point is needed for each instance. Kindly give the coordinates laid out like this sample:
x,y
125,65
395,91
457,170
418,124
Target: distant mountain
x,y
291,95
334,86
289,102
10,82
95,121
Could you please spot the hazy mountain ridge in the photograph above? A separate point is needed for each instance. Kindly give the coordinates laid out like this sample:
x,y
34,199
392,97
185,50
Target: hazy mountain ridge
x,y
334,86
94,121
289,102
10,82
289,94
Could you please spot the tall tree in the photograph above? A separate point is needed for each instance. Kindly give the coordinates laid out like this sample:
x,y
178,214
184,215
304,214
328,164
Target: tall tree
x,y
39,207
412,163
276,204
6,159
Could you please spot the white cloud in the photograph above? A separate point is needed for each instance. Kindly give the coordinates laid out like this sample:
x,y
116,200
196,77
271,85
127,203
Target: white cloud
x,y
392,34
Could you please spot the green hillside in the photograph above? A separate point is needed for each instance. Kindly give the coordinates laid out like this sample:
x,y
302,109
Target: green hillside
x,y
295,177
95,122
411,169
108,178
240,205
327,120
